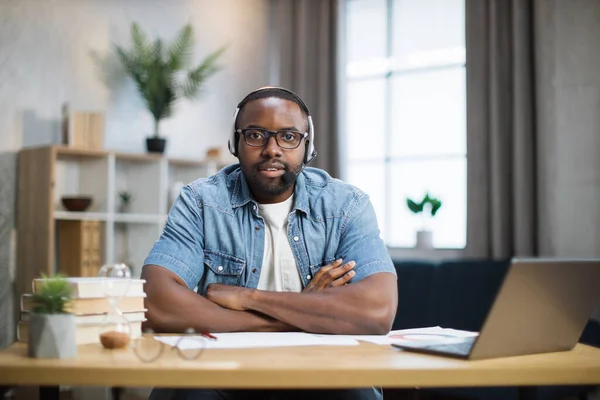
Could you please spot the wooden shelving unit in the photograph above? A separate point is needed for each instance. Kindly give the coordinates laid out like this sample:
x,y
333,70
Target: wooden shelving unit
x,y
46,174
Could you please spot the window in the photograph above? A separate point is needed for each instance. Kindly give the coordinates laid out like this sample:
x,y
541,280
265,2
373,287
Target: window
x,y
406,113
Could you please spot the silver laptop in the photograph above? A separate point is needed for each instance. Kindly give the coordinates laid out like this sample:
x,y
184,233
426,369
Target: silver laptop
x,y
542,306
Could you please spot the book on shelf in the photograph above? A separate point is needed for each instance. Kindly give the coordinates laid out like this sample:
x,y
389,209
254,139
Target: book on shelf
x,y
92,319
93,287
84,334
98,305
83,129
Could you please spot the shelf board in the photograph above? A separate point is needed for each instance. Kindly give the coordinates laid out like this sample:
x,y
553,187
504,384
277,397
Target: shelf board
x,y
182,162
218,164
138,157
139,218
75,152
87,216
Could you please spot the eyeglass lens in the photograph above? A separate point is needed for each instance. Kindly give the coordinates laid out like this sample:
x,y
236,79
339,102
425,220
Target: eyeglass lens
x,y
285,139
148,349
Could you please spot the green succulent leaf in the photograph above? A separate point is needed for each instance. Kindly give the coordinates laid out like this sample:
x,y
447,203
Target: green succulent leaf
x,y
52,295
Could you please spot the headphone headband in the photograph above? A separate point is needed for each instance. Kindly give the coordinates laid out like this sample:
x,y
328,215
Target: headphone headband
x,y
310,151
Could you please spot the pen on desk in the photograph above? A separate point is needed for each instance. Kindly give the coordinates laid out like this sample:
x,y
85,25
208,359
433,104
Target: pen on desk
x,y
208,335
192,331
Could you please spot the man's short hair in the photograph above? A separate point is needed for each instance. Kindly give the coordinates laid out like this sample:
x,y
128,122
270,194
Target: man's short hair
x,y
272,92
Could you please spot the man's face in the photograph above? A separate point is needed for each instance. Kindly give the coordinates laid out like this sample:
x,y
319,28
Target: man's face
x,y
263,167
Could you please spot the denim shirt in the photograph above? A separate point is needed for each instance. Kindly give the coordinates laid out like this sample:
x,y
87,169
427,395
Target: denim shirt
x,y
215,234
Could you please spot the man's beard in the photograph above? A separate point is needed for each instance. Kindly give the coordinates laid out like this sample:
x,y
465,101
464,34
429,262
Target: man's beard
x,y
271,187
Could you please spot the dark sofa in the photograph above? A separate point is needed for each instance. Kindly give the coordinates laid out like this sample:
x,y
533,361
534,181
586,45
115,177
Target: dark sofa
x,y
458,294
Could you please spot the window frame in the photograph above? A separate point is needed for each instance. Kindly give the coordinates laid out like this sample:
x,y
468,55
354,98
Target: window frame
x,y
387,75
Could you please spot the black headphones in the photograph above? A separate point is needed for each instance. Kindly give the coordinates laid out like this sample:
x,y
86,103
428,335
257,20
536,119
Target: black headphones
x,y
310,151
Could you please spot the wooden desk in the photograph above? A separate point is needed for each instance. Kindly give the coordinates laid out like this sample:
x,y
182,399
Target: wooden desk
x,y
298,367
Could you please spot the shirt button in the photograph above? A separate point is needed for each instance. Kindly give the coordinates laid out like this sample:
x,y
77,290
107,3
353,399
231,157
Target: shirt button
x,y
257,228
296,238
220,268
308,277
253,270
254,207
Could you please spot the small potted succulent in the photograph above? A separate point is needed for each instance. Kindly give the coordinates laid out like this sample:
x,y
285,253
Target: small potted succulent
x,y
428,208
125,200
52,328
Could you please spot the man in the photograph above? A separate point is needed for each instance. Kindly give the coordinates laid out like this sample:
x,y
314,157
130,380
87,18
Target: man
x,y
271,245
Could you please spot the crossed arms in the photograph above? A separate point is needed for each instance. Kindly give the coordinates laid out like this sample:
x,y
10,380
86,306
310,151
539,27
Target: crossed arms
x,y
364,307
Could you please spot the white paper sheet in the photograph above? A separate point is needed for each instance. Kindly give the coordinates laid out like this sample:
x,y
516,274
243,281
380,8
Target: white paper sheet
x,y
430,334
377,339
434,334
239,340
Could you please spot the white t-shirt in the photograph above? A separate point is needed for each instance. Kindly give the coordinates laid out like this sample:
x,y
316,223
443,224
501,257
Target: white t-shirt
x,y
279,272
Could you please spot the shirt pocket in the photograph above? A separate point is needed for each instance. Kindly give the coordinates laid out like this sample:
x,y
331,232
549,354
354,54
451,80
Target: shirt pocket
x,y
223,268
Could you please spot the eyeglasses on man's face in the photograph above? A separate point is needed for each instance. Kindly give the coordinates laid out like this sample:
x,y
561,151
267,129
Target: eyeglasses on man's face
x,y
258,137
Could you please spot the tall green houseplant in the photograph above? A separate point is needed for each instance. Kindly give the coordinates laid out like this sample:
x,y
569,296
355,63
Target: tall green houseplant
x,y
162,74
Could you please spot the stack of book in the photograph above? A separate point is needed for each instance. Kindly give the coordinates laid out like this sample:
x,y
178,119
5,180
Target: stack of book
x,y
90,306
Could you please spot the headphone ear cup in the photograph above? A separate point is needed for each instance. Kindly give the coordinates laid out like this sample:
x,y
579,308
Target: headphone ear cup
x,y
233,138
232,147
307,147
236,142
309,151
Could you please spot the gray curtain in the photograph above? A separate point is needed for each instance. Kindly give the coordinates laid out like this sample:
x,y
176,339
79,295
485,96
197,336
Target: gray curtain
x,y
304,37
501,129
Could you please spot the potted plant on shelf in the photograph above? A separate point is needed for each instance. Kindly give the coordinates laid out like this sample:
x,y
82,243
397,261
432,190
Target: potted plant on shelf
x,y
125,200
51,331
156,68
428,208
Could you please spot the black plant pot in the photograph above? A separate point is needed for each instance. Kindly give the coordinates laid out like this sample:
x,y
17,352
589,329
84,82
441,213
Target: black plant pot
x,y
156,145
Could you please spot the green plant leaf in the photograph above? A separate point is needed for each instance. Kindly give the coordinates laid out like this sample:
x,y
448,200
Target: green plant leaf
x,y
141,47
426,199
414,207
435,206
125,196
197,77
180,51
52,295
155,68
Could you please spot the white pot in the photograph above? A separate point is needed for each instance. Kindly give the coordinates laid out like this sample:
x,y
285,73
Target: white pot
x,y
51,336
424,240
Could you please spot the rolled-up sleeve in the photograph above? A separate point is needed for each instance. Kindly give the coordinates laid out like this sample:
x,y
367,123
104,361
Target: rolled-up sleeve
x,y
360,241
180,246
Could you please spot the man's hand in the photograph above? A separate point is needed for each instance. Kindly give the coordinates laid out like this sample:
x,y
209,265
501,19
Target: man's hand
x,y
331,275
232,297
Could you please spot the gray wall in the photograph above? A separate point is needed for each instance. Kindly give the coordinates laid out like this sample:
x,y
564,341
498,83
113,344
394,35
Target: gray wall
x,y
46,58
